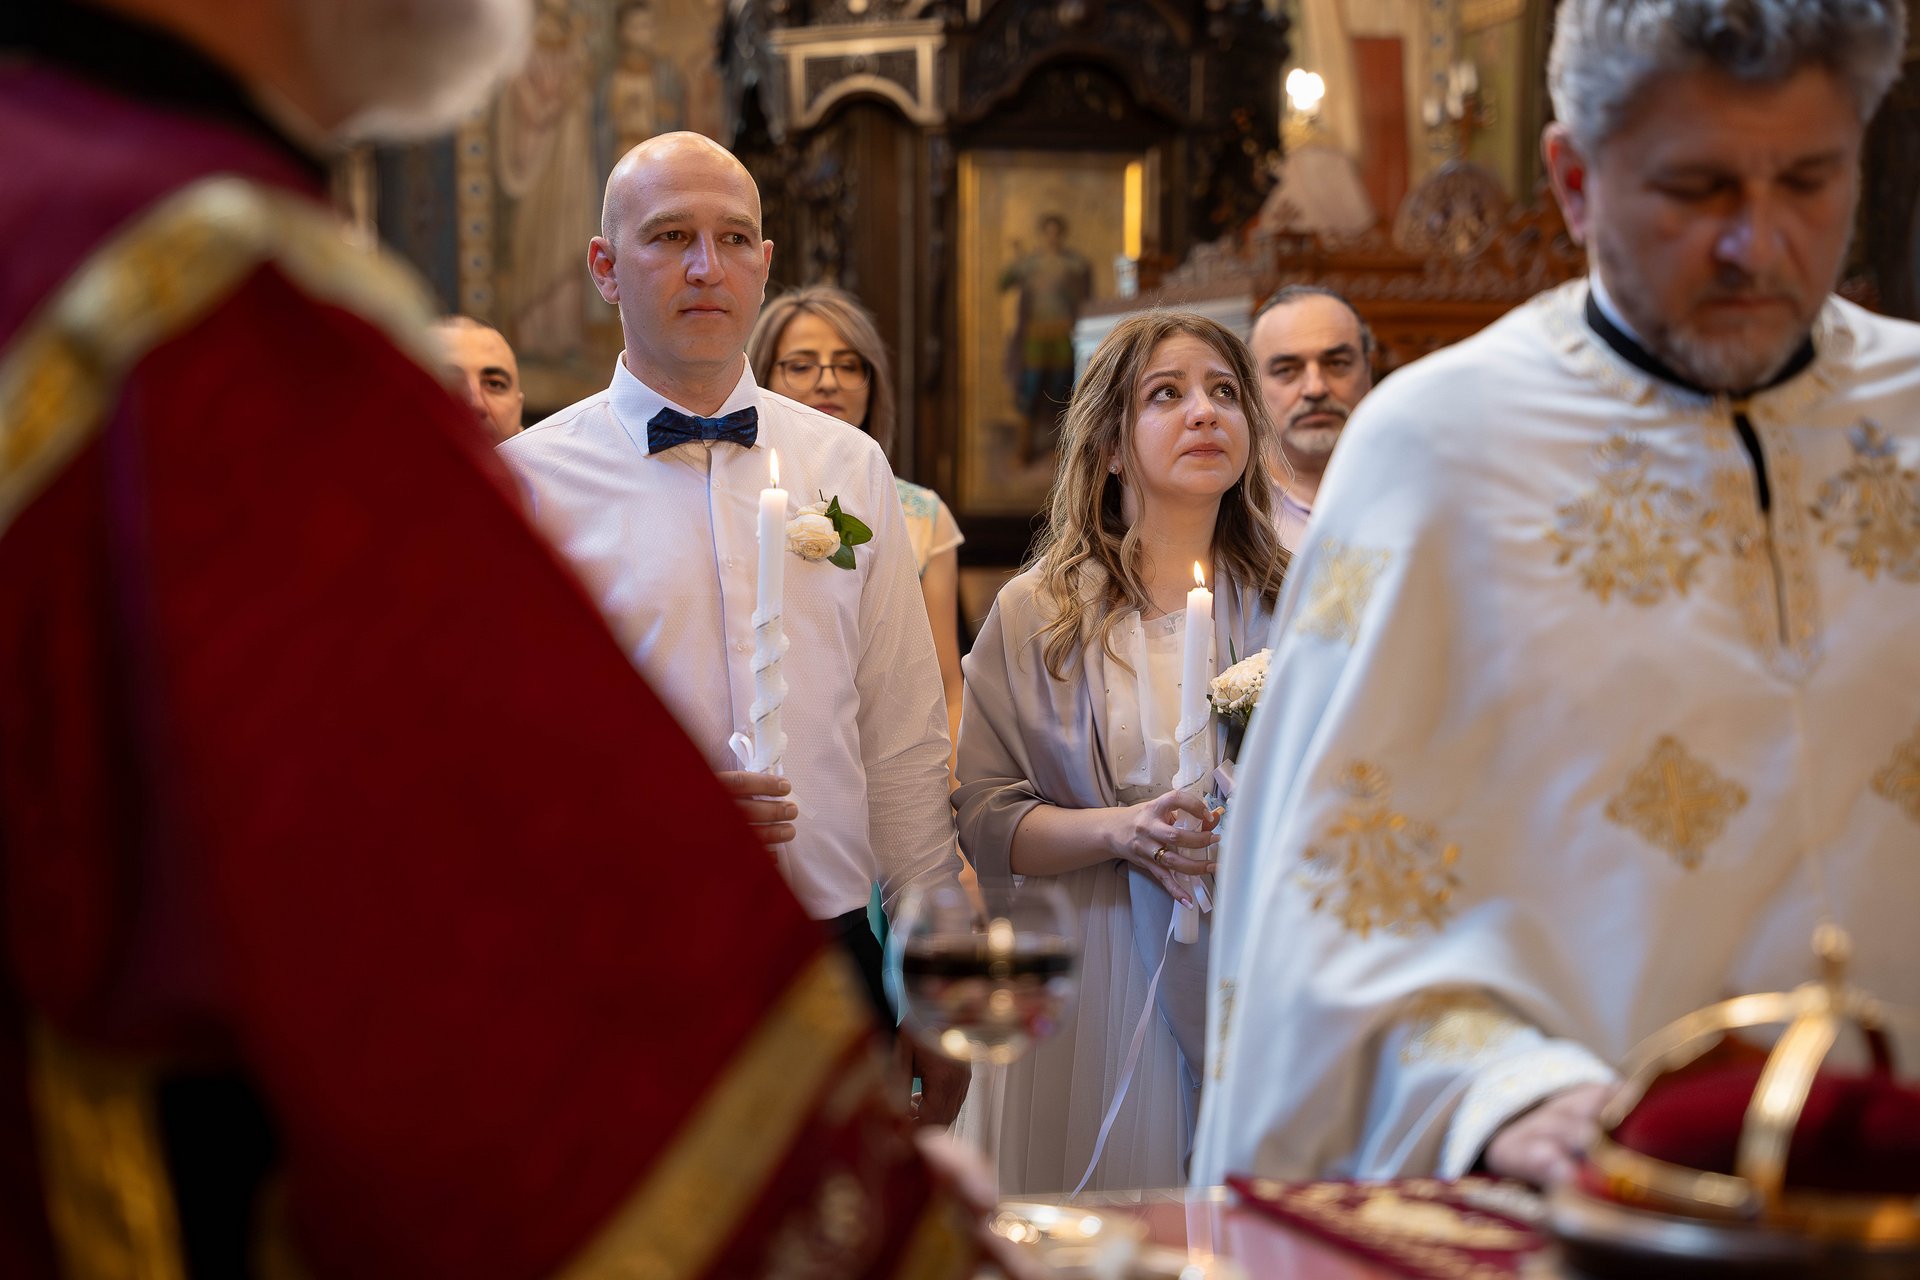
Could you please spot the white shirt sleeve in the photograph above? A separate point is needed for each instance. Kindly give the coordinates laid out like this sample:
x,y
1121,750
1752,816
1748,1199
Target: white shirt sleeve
x,y
902,710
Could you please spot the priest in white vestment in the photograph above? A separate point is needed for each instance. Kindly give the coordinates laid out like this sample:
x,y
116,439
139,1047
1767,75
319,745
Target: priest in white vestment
x,y
1597,686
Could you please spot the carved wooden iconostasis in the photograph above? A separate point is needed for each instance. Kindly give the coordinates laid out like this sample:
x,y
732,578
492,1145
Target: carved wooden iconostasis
x,y
973,169
965,166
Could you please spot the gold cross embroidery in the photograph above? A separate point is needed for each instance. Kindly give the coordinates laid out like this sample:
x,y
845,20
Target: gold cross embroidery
x,y
1676,802
1871,510
1342,584
1899,781
1453,1025
1376,868
1632,535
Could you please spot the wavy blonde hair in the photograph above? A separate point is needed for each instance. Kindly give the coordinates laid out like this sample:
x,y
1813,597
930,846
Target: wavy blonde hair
x,y
1088,557
854,323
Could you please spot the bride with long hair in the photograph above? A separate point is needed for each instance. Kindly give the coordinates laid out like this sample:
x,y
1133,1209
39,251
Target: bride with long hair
x,y
1067,750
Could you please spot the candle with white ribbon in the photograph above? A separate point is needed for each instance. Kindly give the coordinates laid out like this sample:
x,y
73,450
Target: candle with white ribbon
x,y
1195,730
769,636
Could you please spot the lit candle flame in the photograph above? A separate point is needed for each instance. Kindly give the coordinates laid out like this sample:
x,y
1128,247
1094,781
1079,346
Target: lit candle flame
x,y
1199,578
773,469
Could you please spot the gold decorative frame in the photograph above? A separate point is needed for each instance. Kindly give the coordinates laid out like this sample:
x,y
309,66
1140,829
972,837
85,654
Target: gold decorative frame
x,y
1104,195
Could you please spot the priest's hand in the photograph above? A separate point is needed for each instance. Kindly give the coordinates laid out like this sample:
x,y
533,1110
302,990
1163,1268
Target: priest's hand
x,y
1542,1146
1145,835
756,793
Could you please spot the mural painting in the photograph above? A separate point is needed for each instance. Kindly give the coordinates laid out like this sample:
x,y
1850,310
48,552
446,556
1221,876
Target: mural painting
x,y
528,172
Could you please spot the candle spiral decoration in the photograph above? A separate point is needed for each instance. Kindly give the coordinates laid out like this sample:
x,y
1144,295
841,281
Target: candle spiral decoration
x,y
769,691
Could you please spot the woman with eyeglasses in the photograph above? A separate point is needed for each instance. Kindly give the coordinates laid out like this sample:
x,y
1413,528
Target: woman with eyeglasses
x,y
819,346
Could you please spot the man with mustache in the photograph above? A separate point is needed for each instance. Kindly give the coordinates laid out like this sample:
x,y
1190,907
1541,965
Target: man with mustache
x,y
1315,356
1595,693
354,888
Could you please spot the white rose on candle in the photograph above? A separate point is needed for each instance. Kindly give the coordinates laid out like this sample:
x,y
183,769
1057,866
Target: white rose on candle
x,y
811,536
1235,691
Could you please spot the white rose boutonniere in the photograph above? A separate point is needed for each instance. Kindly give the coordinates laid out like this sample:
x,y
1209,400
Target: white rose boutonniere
x,y
822,531
811,536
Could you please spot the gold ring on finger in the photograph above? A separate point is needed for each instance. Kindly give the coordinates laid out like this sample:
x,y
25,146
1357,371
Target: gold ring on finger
x,y
1160,855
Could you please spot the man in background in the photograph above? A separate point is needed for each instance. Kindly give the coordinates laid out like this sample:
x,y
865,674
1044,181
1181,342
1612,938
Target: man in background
x,y
483,370
355,889
1594,701
1315,357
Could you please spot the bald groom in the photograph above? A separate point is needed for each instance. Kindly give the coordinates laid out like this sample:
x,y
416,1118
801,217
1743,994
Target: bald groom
x,y
651,489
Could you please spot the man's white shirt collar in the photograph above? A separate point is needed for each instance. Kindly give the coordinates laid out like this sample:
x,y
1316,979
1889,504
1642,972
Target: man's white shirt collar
x,y
634,402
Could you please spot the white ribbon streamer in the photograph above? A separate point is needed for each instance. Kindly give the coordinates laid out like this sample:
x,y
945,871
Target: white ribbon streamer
x,y
1147,1015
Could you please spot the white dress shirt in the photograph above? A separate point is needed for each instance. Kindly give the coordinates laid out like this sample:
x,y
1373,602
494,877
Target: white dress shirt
x,y
667,544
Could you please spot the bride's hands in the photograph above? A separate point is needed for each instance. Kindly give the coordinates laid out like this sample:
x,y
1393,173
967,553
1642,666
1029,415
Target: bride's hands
x,y
1144,835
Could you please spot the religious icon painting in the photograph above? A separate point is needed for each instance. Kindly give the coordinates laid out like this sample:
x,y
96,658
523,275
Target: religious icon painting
x,y
499,219
1039,235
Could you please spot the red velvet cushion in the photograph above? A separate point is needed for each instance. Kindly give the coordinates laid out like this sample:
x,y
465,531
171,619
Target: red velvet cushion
x,y
1858,1133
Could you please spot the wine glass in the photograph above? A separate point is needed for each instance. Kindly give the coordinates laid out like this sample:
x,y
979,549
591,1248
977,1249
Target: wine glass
x,y
982,987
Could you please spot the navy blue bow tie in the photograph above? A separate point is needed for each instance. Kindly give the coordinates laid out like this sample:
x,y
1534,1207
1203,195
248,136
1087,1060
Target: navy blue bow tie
x,y
670,427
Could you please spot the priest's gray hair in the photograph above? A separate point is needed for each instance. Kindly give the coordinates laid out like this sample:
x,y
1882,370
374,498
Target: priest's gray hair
x,y
1605,51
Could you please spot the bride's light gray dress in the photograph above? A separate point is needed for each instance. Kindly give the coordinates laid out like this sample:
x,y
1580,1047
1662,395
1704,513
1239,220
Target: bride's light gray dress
x,y
1101,737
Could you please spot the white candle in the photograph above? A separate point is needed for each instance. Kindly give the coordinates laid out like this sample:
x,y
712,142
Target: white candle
x,y
769,636
1196,723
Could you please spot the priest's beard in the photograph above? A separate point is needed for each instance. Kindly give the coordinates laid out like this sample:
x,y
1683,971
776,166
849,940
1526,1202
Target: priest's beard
x,y
411,68
1746,357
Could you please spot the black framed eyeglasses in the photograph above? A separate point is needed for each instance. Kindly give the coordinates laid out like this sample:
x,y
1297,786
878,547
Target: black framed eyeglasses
x,y
851,372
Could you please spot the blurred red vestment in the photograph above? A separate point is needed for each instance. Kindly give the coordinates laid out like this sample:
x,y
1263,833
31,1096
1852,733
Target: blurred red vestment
x,y
364,911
